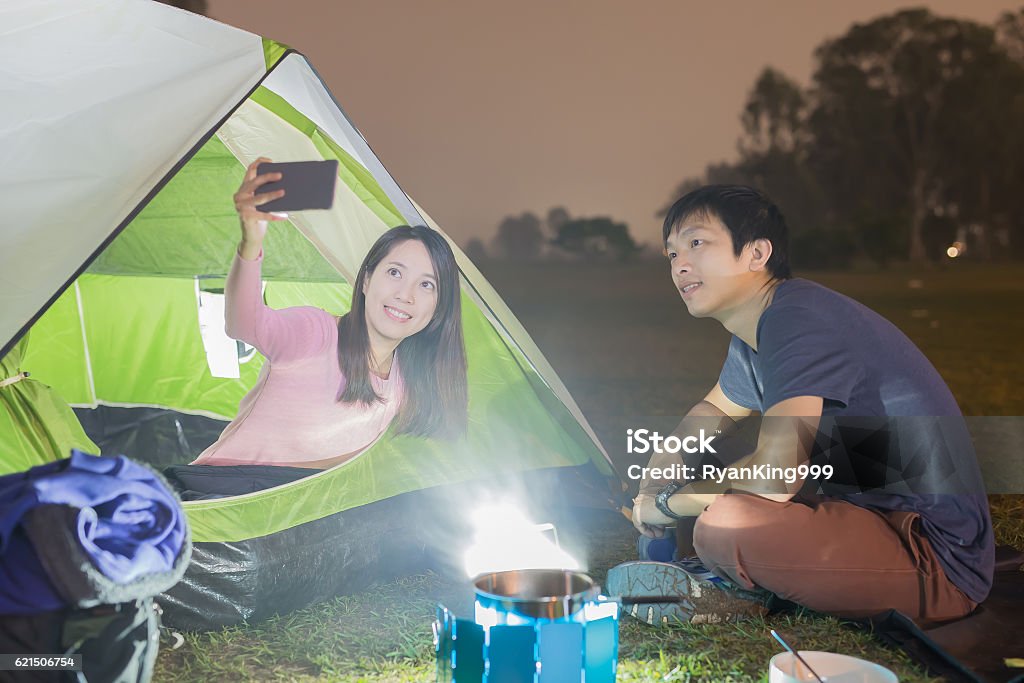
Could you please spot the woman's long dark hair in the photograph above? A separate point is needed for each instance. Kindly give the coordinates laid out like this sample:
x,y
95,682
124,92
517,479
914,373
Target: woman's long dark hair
x,y
433,361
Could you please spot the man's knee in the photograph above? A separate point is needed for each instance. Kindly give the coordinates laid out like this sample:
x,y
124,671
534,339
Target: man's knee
x,y
720,528
734,521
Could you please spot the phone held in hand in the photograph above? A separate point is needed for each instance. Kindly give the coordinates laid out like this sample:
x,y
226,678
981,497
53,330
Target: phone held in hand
x,y
307,185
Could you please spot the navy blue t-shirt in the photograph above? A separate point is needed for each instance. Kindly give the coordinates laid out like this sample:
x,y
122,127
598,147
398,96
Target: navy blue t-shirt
x,y
886,411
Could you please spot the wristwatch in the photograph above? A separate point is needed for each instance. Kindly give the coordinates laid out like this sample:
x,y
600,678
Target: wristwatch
x,y
661,500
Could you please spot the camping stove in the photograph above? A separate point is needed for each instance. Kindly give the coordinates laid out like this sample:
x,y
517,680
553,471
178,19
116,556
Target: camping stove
x,y
530,626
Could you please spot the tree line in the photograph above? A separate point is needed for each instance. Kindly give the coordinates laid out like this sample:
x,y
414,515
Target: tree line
x,y
527,237
907,145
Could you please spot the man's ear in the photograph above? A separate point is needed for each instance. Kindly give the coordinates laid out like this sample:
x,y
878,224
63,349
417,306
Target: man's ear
x,y
760,252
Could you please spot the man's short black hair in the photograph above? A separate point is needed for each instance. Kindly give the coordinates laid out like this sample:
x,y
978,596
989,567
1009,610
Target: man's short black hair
x,y
746,213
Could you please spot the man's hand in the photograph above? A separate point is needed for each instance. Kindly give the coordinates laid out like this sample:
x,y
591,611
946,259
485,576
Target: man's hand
x,y
647,518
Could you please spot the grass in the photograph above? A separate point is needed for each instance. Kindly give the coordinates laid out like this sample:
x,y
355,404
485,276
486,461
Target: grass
x,y
624,345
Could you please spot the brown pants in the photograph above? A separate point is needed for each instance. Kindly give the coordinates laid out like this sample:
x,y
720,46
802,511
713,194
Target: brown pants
x,y
830,556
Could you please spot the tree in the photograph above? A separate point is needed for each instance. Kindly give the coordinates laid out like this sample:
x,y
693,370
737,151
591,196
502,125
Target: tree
x,y
981,142
475,250
912,133
881,92
773,117
597,237
1010,34
557,217
519,238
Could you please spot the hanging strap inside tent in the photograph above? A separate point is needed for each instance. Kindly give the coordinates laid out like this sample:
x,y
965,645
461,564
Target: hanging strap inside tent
x,y
13,380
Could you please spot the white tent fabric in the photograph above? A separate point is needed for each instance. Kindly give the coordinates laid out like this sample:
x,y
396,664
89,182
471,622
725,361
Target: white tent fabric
x,y
86,131
296,81
339,235
293,80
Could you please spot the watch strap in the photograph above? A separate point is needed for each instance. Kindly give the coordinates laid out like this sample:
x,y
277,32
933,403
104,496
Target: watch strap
x,y
661,500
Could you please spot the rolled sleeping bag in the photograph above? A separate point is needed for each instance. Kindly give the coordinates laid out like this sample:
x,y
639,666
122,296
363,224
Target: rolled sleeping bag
x,y
88,531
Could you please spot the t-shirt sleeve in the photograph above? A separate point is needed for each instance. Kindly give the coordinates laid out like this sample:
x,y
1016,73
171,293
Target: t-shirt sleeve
x,y
801,355
282,335
737,380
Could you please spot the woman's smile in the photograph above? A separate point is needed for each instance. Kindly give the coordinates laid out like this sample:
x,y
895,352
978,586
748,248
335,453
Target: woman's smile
x,y
397,314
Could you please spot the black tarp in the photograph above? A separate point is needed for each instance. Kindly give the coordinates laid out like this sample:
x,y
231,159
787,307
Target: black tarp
x,y
972,649
250,580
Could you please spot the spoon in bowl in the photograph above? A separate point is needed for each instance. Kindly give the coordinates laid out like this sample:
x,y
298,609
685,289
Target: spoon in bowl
x,y
797,655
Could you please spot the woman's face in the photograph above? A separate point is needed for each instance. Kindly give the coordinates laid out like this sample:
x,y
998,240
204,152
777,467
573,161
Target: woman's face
x,y
401,292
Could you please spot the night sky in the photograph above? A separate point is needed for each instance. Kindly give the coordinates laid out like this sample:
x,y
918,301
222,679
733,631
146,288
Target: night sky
x,y
484,109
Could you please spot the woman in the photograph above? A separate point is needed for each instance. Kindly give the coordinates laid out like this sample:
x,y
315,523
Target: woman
x,y
331,387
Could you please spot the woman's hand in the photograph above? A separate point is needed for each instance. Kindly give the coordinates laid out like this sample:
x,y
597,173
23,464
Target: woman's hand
x,y
254,221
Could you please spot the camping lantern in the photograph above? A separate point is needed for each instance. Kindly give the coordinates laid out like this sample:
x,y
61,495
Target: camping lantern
x,y
530,626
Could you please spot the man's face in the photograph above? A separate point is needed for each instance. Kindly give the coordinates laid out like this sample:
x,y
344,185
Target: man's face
x,y
710,278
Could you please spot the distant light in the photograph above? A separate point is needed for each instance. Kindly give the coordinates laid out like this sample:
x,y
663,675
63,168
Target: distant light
x,y
952,252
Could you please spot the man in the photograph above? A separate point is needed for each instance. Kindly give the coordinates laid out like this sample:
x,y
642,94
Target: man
x,y
903,523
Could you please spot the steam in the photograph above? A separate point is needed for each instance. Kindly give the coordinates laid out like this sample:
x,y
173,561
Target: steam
x,y
504,539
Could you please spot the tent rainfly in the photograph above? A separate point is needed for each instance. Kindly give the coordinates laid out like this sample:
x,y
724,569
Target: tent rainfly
x,y
126,127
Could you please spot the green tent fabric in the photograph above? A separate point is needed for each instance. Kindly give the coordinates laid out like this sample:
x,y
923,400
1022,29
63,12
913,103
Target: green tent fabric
x,y
36,425
119,270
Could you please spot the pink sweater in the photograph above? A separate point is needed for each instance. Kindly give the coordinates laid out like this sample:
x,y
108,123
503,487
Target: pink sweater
x,y
291,416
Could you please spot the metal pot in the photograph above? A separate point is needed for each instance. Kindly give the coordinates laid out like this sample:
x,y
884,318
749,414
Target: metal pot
x,y
536,593
550,593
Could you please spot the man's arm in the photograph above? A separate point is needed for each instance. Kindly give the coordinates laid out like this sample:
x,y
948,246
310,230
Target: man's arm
x,y
787,433
785,439
715,414
718,400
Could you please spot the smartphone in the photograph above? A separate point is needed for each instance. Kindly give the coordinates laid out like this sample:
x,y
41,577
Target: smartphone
x,y
307,185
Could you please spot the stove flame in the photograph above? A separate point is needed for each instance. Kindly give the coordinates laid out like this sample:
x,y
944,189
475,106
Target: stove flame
x,y
504,539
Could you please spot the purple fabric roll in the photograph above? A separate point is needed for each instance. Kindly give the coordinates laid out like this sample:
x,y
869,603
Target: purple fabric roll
x,y
129,524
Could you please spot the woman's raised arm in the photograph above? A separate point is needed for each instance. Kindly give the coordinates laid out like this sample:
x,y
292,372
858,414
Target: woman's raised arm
x,y
254,221
277,334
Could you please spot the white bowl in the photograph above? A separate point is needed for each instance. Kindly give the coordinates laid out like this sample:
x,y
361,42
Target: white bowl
x,y
832,667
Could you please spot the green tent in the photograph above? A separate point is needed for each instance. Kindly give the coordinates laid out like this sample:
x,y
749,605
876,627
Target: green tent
x,y
130,124
36,425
